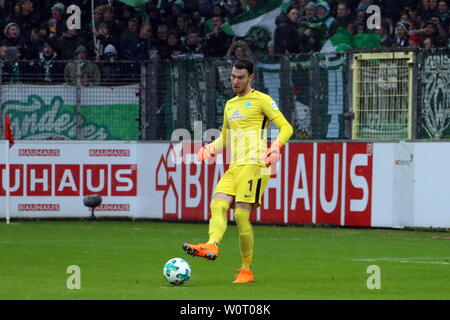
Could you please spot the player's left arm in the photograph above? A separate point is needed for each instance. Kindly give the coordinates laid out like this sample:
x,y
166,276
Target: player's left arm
x,y
273,113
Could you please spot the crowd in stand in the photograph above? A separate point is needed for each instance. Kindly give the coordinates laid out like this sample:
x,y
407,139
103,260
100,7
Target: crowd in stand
x,y
36,32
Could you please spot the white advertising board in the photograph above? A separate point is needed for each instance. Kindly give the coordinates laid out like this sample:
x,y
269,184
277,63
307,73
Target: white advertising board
x,y
350,184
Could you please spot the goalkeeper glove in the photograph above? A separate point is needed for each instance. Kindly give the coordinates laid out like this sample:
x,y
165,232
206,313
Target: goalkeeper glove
x,y
206,152
273,153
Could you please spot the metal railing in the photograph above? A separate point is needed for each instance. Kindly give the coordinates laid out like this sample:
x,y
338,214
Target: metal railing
x,y
324,96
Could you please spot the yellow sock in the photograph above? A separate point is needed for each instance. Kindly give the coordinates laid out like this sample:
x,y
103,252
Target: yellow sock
x,y
245,236
218,221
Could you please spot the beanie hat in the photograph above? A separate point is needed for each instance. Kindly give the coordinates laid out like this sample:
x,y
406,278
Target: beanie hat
x,y
9,25
80,48
59,6
404,25
416,39
110,50
311,5
324,5
179,3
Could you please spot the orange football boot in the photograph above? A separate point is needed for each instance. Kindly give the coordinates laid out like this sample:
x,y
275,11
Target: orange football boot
x,y
205,250
244,276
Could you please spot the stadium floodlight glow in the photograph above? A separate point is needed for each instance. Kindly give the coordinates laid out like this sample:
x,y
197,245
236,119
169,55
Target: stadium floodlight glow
x,y
92,201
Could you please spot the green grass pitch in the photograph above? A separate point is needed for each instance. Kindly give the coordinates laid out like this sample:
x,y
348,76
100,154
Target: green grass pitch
x,y
124,260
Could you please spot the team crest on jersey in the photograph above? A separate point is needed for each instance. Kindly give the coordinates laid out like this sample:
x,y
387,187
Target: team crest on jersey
x,y
236,116
248,104
274,105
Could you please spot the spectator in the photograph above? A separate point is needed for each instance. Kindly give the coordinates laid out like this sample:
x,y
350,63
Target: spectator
x,y
110,18
217,42
87,28
126,14
89,70
130,37
361,17
172,47
49,69
85,80
239,49
233,8
161,35
300,5
102,39
200,15
323,14
257,39
386,39
310,20
390,10
56,25
434,6
68,43
363,5
251,6
146,42
425,12
343,17
193,48
286,37
13,38
3,48
401,35
428,43
13,69
177,9
28,18
182,26
219,11
359,27
37,40
414,41
309,41
436,31
271,52
443,12
112,72
413,15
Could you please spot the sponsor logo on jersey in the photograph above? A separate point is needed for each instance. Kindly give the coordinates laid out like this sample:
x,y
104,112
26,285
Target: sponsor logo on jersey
x,y
274,105
236,116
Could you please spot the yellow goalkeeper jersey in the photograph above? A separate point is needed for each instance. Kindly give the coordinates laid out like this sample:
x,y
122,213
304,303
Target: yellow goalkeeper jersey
x,y
244,129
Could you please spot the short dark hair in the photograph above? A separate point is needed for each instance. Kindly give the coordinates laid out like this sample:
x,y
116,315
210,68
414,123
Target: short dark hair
x,y
244,63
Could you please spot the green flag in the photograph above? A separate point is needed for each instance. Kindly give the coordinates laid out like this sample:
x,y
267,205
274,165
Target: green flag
x,y
343,40
262,16
367,40
134,3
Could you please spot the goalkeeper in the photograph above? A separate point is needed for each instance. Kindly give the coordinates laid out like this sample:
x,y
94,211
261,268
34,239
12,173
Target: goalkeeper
x,y
244,134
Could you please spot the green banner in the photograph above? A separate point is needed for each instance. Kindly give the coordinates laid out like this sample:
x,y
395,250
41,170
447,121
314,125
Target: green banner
x,y
134,3
50,113
434,120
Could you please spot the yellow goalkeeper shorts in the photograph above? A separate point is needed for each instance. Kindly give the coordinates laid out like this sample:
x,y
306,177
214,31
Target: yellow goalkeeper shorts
x,y
246,183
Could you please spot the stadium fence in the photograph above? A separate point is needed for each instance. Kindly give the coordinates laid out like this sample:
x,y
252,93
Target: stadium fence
x,y
370,95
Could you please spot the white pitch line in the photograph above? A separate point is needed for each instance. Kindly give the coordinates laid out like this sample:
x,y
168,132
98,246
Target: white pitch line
x,y
408,260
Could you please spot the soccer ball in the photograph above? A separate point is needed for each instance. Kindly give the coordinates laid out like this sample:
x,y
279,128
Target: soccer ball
x,y
177,271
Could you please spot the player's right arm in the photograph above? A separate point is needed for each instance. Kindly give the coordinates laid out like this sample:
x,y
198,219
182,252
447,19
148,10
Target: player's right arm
x,y
217,145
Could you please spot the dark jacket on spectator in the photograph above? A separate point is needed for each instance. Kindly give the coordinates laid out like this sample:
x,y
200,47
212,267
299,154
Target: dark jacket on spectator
x,y
128,46
112,72
49,69
286,36
67,46
217,45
